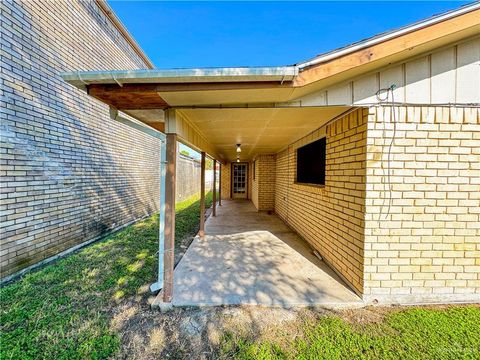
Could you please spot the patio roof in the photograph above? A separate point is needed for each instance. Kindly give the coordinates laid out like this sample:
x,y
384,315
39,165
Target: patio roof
x,y
250,105
160,89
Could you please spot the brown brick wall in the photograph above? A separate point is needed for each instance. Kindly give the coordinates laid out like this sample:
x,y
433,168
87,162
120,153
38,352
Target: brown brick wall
x,y
330,218
425,246
263,184
69,172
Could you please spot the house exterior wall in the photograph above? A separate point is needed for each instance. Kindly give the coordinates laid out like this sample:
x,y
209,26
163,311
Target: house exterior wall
x,y
226,180
424,244
263,183
69,172
250,180
330,217
255,184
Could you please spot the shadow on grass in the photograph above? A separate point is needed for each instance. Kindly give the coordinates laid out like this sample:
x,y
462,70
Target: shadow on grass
x,y
63,310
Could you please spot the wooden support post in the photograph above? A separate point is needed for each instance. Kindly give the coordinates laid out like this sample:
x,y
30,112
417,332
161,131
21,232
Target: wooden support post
x,y
202,196
170,180
219,184
214,197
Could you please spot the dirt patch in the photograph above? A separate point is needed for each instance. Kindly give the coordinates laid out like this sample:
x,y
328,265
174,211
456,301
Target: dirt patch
x,y
197,333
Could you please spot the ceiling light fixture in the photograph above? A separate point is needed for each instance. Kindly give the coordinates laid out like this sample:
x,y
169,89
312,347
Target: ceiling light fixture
x,y
239,149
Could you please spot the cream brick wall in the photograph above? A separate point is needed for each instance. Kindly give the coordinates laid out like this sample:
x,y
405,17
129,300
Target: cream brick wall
x,y
330,217
69,173
255,183
263,183
425,245
226,180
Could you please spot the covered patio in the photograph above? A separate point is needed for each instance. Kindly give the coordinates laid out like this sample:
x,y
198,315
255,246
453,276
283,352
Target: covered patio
x,y
254,122
241,255
253,258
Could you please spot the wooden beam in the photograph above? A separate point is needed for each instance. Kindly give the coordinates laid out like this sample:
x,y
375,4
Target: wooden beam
x,y
127,100
157,126
214,198
180,87
202,196
170,180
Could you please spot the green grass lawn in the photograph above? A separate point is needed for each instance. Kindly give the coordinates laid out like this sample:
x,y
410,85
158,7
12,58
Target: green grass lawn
x,y
65,311
414,333
62,311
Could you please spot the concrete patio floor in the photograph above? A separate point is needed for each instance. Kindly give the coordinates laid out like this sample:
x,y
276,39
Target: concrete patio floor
x,y
253,258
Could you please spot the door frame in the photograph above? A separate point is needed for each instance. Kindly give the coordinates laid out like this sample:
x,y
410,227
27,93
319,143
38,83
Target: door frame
x,y
247,178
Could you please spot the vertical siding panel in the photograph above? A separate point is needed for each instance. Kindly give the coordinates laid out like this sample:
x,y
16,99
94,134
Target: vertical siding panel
x,y
394,76
315,99
468,72
340,95
418,81
364,89
443,76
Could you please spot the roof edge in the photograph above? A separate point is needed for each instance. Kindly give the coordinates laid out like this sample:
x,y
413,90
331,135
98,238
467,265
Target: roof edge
x,y
377,39
199,75
108,11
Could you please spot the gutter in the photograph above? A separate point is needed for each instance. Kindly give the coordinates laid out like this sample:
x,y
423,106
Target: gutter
x,y
388,36
108,11
200,75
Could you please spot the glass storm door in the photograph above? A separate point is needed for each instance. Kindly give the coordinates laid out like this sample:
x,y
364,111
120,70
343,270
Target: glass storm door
x,y
239,181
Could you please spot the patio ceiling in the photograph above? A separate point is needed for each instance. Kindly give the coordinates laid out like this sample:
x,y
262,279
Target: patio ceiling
x,y
259,131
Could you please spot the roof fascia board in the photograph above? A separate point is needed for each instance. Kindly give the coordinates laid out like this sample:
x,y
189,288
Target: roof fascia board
x,y
388,36
409,44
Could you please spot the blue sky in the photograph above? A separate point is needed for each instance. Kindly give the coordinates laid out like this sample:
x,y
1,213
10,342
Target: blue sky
x,y
213,34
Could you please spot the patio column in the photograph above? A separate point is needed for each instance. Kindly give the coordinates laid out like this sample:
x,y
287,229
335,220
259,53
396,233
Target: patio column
x,y
214,202
220,184
170,179
202,196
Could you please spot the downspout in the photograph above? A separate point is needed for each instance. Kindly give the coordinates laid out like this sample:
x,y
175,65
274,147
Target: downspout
x,y
161,225
114,115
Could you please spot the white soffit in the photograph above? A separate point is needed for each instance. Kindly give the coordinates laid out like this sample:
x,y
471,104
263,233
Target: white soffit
x,y
259,130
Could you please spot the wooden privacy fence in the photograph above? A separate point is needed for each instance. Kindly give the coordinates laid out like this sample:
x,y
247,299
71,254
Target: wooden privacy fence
x,y
188,177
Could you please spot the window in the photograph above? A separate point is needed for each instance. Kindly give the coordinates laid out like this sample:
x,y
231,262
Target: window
x,y
311,161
